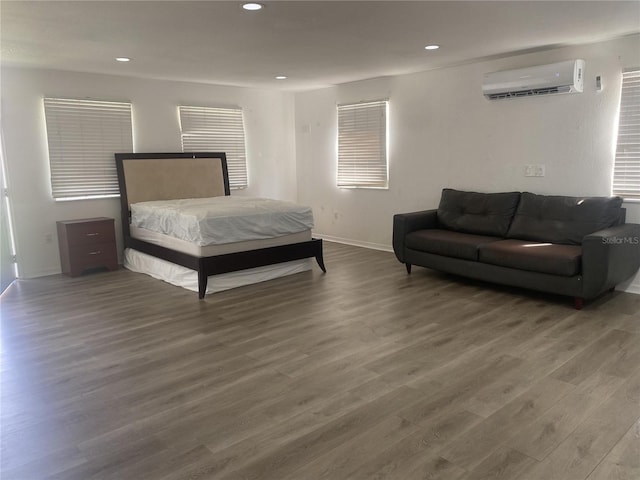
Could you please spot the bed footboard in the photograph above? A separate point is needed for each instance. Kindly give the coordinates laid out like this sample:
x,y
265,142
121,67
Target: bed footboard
x,y
233,262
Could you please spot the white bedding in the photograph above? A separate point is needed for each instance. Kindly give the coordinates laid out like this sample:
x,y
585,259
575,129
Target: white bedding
x,y
187,278
220,220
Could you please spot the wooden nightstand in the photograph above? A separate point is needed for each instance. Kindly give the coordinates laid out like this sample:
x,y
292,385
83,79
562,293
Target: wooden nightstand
x,y
87,244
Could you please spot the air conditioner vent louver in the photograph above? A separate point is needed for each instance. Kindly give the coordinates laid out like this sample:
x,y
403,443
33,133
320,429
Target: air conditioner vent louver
x,y
529,93
562,77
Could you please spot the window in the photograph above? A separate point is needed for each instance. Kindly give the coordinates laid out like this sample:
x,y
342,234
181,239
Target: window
x,y
83,135
362,145
217,130
626,171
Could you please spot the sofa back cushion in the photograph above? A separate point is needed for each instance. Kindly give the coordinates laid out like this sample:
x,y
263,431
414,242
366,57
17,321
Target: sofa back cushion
x,y
566,220
479,213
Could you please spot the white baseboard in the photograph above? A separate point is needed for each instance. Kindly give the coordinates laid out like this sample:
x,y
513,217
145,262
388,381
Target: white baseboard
x,y
39,273
632,285
631,288
355,243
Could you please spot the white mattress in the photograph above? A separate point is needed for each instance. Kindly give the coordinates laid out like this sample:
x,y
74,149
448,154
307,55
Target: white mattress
x,y
222,220
210,250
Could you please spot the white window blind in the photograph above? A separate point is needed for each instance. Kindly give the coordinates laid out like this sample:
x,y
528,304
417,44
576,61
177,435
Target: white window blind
x,y
626,172
83,136
362,145
207,129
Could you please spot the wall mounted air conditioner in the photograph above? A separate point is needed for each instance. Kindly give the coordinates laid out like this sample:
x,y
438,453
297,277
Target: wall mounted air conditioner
x,y
562,77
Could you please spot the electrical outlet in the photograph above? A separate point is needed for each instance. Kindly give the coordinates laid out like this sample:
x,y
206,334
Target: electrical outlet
x,y
48,238
534,170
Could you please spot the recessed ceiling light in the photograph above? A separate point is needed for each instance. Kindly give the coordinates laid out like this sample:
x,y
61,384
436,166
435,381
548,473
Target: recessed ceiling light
x,y
432,47
123,59
253,6
281,77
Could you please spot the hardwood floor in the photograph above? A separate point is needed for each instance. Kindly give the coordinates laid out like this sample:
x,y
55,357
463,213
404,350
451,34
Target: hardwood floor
x,y
363,373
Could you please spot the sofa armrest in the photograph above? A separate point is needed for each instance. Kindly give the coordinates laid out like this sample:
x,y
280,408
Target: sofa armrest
x,y
609,257
404,223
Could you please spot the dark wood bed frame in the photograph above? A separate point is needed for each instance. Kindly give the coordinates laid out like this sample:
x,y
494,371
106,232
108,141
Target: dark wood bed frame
x,y
214,265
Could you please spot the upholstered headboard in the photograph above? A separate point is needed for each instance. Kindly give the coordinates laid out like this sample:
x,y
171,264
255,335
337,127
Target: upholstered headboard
x,y
147,176
169,176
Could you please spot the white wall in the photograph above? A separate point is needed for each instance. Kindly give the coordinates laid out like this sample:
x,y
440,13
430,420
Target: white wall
x,y
443,133
269,124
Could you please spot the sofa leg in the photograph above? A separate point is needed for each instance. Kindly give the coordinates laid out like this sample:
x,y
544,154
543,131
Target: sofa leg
x,y
408,266
578,303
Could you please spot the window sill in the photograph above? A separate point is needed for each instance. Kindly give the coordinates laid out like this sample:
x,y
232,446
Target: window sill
x,y
86,197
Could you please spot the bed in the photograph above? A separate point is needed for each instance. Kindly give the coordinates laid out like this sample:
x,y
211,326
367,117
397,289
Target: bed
x,y
173,177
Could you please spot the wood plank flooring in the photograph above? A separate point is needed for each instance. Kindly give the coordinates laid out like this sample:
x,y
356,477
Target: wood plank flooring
x,y
363,373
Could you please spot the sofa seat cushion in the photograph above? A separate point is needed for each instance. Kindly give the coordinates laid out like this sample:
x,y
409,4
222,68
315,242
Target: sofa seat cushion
x,y
477,213
447,243
555,259
556,219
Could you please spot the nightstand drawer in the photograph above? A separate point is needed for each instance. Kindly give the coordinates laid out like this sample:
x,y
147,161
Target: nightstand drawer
x,y
92,256
91,233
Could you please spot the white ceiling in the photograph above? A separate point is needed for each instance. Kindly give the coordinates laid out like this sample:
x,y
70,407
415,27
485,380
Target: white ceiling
x,y
314,43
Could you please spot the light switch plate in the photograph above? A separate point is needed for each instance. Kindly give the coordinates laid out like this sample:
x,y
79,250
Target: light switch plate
x,y
534,170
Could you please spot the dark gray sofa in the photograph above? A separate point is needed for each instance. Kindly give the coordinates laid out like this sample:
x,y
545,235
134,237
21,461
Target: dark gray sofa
x,y
573,246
